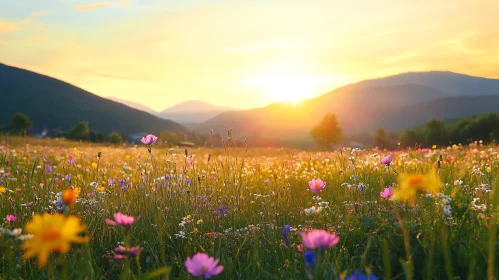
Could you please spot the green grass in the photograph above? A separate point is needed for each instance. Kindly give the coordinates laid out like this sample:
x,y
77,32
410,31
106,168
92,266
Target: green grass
x,y
391,239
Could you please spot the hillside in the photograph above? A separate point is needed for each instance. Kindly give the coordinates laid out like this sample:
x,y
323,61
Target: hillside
x,y
390,102
52,103
192,112
133,105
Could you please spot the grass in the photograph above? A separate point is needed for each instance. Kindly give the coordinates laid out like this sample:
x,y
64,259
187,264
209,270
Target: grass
x,y
263,190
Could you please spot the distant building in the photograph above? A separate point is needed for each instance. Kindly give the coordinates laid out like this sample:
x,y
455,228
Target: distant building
x,y
186,144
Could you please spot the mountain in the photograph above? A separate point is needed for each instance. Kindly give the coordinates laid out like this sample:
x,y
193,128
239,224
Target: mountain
x,y
393,102
454,83
52,103
134,105
192,112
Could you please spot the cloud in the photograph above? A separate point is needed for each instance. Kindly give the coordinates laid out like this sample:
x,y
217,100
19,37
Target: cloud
x,y
102,5
14,26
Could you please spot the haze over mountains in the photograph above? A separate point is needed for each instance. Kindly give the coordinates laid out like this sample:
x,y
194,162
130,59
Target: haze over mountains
x,y
190,113
54,104
393,103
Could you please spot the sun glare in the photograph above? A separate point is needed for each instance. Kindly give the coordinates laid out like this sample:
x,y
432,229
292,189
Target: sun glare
x,y
291,88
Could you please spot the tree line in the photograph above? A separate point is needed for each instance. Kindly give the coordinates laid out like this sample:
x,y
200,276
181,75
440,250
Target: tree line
x,y
435,132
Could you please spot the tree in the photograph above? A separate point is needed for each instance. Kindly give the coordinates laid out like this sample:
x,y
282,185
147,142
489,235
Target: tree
x,y
170,138
115,138
79,131
328,131
381,139
20,123
436,133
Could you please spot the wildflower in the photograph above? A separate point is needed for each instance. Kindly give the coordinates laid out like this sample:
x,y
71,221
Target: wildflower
x,y
310,260
203,265
386,193
149,139
222,210
319,238
411,184
2,189
286,230
121,220
68,197
266,182
188,182
200,221
316,185
123,253
51,233
359,276
387,160
11,218
94,165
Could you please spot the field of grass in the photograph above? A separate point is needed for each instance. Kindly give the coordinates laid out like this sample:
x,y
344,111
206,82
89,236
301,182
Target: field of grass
x,y
233,204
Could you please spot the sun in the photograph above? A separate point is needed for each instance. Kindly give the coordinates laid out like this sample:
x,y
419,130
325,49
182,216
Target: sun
x,y
287,87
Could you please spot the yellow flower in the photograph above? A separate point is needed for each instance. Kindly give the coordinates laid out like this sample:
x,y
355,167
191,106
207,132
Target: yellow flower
x,y
434,147
2,189
94,165
127,157
100,189
412,184
77,191
51,233
199,221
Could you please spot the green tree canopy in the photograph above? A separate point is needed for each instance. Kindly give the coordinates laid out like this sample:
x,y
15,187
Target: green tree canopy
x,y
115,138
20,123
328,131
79,131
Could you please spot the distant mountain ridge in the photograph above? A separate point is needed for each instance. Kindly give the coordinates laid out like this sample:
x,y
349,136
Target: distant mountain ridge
x,y
134,105
55,104
193,111
392,102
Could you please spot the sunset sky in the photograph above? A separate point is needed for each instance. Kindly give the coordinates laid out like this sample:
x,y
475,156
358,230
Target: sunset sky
x,y
240,53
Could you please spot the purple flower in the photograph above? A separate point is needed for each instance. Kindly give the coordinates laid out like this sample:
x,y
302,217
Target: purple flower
x,y
149,139
48,168
359,276
110,182
286,230
203,265
266,182
123,253
121,220
310,260
188,182
222,210
67,177
386,160
319,238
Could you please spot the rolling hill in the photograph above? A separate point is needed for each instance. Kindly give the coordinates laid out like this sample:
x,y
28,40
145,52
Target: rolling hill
x,y
393,102
192,112
133,105
55,104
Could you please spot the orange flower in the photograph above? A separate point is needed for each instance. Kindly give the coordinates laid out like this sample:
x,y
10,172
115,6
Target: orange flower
x,y
69,197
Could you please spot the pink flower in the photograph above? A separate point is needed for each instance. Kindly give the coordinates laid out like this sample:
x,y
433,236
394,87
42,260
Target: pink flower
x,y
319,238
121,220
386,193
122,252
11,218
316,185
203,265
149,139
387,160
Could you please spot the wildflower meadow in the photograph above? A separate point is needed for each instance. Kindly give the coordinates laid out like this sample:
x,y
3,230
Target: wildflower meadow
x,y
74,210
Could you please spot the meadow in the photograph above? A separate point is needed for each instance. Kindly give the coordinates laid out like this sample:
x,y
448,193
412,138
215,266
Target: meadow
x,y
406,214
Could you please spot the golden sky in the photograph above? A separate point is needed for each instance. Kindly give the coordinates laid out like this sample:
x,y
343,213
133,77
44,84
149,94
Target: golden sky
x,y
240,53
